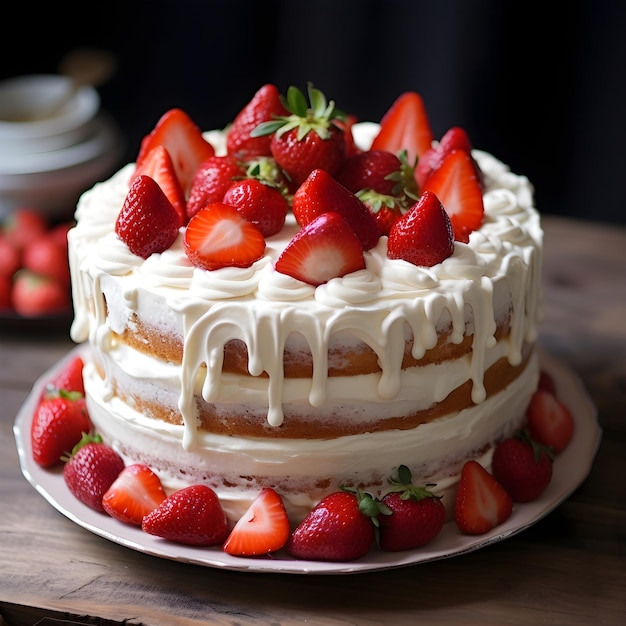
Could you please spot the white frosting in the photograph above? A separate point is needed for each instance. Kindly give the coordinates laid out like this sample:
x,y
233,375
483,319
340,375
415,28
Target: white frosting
x,y
494,275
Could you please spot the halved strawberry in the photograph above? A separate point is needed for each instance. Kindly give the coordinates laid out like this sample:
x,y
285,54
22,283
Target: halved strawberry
x,y
183,139
550,422
321,193
220,236
482,503
264,106
159,166
325,248
134,493
423,235
456,184
405,126
262,529
147,222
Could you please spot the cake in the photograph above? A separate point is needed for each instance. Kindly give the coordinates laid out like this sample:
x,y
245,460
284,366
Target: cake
x,y
245,377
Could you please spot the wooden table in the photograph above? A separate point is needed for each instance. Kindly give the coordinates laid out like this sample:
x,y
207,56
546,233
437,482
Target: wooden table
x,y
569,568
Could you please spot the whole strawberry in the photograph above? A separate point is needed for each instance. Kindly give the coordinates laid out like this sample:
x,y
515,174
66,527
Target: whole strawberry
x,y
550,422
91,469
339,528
59,422
192,516
522,467
148,221
410,516
308,138
70,378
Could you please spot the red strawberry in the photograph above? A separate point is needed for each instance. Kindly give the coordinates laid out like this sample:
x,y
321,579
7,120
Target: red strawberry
x,y
455,138
24,224
158,165
182,138
546,382
34,295
387,210
373,169
423,235
411,516
59,232
457,186
346,125
339,528
482,503
211,181
260,203
6,287
550,422
405,126
70,378
220,236
59,421
321,193
148,222
192,516
522,467
133,494
325,248
264,107
307,138
45,256
262,529
10,260
91,469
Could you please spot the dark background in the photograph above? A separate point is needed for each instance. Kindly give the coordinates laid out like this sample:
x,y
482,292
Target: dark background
x,y
542,86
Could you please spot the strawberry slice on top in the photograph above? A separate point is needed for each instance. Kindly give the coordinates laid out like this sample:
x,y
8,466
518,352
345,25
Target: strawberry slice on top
x,y
183,139
456,184
405,126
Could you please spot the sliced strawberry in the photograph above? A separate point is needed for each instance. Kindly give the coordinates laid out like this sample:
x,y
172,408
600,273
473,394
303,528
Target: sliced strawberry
x,y
321,193
264,107
550,422
191,516
325,248
423,235
262,529
405,126
457,186
220,236
148,222
70,378
482,503
211,181
134,493
183,139
159,166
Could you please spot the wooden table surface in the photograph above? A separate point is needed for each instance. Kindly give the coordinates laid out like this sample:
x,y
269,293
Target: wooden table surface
x,y
568,568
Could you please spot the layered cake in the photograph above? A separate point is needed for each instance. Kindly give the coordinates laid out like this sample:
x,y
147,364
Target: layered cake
x,y
245,377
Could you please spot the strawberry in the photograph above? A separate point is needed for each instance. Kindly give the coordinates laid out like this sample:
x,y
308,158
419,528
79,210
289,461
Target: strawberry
x,y
264,107
183,139
59,232
522,467
546,381
192,516
59,421
6,288
455,138
307,138
159,166
457,186
325,248
410,516
550,422
45,256
262,529
220,236
24,224
423,235
211,181
321,193
90,470
482,503
70,378
339,528
386,210
34,295
10,260
405,126
133,494
148,223
262,204
346,125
